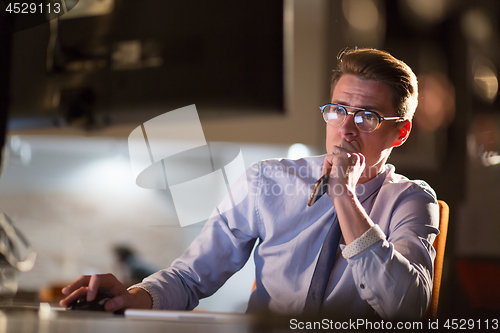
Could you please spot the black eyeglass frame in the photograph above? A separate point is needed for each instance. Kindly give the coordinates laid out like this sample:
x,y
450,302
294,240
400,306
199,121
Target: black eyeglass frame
x,y
354,113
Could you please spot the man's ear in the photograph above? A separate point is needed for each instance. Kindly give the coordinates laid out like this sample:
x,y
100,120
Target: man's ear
x,y
403,134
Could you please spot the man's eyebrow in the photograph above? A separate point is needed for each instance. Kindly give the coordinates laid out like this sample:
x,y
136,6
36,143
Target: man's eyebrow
x,y
365,107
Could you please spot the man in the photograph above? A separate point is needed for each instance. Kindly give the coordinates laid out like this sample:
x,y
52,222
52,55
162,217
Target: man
x,y
388,223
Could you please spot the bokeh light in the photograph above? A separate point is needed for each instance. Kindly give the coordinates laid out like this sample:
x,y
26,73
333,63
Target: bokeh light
x,y
485,79
365,21
428,10
436,105
477,26
361,14
298,150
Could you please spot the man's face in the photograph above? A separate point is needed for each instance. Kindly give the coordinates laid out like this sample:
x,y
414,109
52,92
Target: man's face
x,y
354,91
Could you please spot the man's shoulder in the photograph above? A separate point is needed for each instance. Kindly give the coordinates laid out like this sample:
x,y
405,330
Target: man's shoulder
x,y
395,182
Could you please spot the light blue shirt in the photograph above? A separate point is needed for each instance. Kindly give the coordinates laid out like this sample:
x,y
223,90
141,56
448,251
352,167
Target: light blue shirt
x,y
386,272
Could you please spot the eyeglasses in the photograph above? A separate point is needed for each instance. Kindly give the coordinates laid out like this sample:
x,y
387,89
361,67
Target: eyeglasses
x,y
366,120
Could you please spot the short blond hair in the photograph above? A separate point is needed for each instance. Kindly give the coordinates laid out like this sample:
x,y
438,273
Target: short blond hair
x,y
381,66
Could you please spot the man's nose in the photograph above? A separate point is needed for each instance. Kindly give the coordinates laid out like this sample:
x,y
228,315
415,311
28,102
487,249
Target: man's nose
x,y
348,127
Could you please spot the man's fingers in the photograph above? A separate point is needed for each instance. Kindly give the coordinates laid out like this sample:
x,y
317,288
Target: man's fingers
x,y
94,283
80,282
346,147
107,281
357,163
356,146
339,154
352,146
73,296
327,165
340,150
117,303
362,159
355,159
358,159
337,150
90,286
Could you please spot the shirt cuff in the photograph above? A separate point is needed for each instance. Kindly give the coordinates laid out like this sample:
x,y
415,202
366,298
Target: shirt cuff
x,y
370,237
151,291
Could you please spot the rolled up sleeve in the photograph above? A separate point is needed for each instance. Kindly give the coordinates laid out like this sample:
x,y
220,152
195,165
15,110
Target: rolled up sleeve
x,y
394,273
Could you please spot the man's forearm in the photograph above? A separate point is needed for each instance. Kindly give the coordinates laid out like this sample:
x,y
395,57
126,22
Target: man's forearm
x,y
353,219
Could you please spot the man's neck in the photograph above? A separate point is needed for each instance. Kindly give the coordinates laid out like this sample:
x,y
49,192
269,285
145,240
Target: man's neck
x,y
371,172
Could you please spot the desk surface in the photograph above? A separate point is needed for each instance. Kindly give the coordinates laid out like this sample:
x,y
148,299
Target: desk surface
x,y
35,319
44,318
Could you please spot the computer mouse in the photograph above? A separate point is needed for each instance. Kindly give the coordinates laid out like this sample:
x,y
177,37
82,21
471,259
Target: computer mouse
x,y
97,304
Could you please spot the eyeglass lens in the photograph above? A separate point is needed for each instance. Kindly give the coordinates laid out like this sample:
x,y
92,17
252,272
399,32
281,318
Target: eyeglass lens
x,y
365,120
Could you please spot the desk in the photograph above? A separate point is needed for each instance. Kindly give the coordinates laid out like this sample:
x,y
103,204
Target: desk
x,y
40,319
30,319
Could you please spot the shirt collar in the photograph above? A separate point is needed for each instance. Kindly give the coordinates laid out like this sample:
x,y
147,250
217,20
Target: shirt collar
x,y
367,189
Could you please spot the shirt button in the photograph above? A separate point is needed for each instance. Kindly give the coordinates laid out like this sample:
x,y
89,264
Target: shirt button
x,y
362,286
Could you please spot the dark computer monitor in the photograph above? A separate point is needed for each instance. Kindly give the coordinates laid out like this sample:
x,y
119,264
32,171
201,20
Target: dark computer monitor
x,y
143,59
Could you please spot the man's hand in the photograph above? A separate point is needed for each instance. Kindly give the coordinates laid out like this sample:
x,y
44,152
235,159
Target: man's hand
x,y
123,299
346,165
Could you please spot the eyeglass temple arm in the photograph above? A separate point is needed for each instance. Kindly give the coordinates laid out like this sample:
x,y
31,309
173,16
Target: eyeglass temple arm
x,y
392,118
